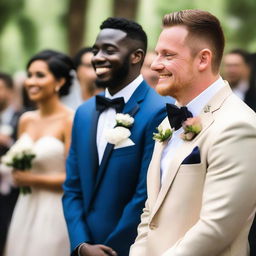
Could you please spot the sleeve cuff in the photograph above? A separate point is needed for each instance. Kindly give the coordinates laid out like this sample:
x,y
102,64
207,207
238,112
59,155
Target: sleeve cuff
x,y
76,252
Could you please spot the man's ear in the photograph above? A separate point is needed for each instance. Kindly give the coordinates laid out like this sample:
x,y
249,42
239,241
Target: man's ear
x,y
137,56
205,59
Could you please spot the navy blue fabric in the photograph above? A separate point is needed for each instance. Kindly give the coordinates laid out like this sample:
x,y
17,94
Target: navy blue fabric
x,y
193,158
102,204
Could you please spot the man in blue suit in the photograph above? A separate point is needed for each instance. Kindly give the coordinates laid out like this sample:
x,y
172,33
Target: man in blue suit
x,y
105,188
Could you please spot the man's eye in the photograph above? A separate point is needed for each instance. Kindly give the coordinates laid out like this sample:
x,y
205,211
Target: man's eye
x,y
110,51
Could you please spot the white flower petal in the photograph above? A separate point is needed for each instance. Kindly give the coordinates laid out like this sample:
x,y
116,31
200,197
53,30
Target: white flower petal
x,y
117,134
124,119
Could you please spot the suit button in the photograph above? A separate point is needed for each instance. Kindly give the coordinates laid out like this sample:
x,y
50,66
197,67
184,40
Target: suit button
x,y
152,226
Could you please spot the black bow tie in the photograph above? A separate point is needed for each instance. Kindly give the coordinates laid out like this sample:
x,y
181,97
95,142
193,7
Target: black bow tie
x,y
177,115
103,103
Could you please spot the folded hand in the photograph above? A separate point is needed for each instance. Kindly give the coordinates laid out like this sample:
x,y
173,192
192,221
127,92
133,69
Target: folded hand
x,y
97,250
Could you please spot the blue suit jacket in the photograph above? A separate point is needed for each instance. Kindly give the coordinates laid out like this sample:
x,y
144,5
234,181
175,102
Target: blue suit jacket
x,y
103,204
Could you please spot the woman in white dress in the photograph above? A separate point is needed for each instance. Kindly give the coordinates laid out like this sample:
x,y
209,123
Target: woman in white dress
x,y
38,226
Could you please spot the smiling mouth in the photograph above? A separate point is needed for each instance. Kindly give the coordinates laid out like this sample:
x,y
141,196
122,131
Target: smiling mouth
x,y
33,89
163,76
101,71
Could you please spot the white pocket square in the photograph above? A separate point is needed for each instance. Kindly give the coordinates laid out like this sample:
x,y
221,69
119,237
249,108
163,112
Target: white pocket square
x,y
125,143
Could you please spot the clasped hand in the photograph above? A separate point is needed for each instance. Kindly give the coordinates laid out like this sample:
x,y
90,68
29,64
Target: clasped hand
x,y
97,250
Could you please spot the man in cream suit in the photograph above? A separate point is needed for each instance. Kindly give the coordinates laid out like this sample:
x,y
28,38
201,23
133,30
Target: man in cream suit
x,y
202,179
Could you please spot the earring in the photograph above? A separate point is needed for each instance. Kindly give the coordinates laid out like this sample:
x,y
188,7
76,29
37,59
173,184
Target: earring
x,y
57,88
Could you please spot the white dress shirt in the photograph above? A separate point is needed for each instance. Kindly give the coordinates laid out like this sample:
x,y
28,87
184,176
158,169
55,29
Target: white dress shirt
x,y
195,107
107,117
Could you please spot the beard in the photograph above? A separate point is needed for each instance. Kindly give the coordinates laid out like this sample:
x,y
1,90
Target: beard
x,y
117,77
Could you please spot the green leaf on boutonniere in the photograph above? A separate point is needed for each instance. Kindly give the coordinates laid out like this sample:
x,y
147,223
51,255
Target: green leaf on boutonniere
x,y
162,134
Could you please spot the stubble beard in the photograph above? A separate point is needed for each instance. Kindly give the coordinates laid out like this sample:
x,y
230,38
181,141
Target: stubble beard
x,y
117,77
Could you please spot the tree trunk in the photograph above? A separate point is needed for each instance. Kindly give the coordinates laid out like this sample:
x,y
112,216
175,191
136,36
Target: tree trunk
x,y
125,8
76,24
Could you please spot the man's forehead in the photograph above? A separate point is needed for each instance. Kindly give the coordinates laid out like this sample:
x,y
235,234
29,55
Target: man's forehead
x,y
110,34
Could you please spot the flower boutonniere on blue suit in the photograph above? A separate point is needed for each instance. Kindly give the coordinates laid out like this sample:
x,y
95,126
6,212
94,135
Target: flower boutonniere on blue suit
x,y
121,132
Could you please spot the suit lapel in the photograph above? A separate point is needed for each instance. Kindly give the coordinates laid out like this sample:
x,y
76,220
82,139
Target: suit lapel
x,y
154,183
93,142
93,158
186,148
131,107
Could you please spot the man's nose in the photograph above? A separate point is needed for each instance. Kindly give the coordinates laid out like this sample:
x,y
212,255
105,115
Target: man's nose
x,y
157,64
98,57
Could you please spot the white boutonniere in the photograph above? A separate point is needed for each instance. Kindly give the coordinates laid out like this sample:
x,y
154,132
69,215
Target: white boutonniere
x,y
121,131
192,127
162,134
124,120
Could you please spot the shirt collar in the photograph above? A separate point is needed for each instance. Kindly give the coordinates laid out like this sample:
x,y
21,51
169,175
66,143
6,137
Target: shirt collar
x,y
197,104
127,91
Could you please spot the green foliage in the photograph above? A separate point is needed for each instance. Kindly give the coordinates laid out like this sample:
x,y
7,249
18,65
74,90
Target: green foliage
x,y
9,9
243,12
28,32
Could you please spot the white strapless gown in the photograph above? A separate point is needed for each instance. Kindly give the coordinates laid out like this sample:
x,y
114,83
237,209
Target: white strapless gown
x,y
38,227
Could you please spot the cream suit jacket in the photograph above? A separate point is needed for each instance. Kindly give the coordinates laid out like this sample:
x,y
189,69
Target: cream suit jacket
x,y
204,209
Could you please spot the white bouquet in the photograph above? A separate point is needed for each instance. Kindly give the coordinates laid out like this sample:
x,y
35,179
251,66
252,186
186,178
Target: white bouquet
x,y
20,157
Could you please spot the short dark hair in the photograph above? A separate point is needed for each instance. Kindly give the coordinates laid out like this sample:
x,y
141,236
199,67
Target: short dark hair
x,y
8,81
59,64
246,56
77,59
203,25
133,30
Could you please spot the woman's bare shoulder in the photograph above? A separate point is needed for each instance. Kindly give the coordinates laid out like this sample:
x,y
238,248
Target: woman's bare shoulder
x,y
29,116
69,115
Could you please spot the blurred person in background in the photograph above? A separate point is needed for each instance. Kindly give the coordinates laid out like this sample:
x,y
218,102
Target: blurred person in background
x,y
85,73
37,226
237,67
149,75
74,98
21,100
8,123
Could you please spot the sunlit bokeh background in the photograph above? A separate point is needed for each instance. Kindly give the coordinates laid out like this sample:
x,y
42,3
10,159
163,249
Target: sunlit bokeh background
x,y
27,26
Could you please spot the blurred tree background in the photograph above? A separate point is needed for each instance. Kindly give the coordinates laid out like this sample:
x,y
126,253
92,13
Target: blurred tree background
x,y
28,26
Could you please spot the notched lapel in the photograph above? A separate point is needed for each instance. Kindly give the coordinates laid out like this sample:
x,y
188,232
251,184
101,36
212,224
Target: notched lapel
x,y
93,144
